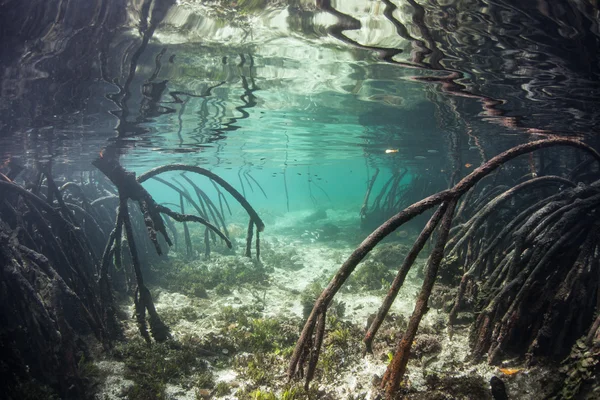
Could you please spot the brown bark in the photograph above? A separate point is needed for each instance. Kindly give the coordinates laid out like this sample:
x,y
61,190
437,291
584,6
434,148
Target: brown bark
x,y
401,276
396,369
249,235
450,196
198,170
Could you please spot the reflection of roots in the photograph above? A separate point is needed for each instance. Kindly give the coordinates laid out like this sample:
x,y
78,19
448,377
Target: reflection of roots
x,y
516,291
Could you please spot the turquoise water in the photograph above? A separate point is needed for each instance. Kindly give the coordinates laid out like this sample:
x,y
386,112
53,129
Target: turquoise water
x,y
264,91
329,117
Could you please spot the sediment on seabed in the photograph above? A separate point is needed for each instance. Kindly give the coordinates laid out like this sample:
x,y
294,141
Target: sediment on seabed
x,y
471,305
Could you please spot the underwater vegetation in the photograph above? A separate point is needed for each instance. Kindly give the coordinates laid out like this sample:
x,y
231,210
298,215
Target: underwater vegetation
x,y
458,276
152,367
521,283
50,265
543,231
221,273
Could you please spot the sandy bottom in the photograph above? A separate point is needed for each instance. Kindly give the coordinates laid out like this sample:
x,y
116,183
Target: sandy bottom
x,y
319,257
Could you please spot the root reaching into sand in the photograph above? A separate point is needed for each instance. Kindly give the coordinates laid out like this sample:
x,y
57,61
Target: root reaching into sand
x,y
130,188
522,276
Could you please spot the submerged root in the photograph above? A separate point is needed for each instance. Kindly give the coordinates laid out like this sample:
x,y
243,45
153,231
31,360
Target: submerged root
x,y
545,297
130,188
514,286
51,304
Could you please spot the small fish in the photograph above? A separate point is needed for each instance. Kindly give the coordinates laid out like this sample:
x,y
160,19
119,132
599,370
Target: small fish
x,y
388,151
468,165
433,151
419,157
510,371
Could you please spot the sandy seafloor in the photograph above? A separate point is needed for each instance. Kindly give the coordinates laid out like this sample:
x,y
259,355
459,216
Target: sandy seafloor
x,y
289,233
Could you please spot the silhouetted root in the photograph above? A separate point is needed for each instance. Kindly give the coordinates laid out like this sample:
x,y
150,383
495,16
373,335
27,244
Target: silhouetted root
x,y
194,218
249,235
130,188
203,198
39,335
576,296
467,241
467,230
171,226
75,188
222,199
189,251
257,184
543,294
214,177
199,209
386,202
216,215
49,299
364,209
311,334
73,262
257,245
143,301
396,369
401,276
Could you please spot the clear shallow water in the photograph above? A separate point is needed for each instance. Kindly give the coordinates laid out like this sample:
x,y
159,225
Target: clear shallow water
x,y
298,105
268,84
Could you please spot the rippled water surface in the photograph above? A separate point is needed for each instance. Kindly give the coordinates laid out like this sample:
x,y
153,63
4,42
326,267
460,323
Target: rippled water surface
x,y
292,84
325,118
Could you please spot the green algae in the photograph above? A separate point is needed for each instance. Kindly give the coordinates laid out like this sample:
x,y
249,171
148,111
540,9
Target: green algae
x,y
370,275
153,367
248,331
310,295
579,372
222,273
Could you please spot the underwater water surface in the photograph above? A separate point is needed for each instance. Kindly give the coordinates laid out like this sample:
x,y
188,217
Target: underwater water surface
x,y
328,118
